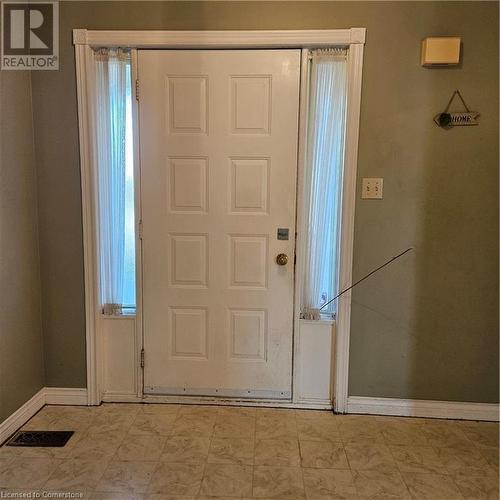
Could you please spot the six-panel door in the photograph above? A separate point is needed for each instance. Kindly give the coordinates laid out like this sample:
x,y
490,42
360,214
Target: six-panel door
x,y
218,141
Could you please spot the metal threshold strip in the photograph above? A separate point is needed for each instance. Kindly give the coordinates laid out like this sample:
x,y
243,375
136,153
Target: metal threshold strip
x,y
231,393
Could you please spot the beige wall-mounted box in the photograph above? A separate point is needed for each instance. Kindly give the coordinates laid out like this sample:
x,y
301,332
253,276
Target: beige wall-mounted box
x,y
443,50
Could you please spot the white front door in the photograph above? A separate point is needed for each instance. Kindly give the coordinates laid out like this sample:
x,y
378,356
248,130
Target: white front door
x,y
218,141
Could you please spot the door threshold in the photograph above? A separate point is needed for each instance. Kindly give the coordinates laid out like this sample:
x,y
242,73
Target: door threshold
x,y
250,394
222,401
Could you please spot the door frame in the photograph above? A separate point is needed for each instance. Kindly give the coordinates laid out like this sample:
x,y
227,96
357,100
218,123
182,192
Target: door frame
x,y
84,41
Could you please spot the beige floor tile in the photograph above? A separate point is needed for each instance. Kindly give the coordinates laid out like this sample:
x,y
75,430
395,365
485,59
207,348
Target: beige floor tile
x,y
222,498
160,409
389,419
358,420
227,480
277,452
418,459
465,461
109,421
83,413
278,482
323,415
237,411
431,486
234,426
438,422
319,417
395,433
162,496
438,458
275,427
329,484
491,455
482,433
177,479
380,485
186,450
42,420
97,446
444,435
76,474
323,455
194,426
282,413
66,421
5,460
359,430
117,408
317,430
27,472
113,495
478,488
231,451
147,447
370,457
156,424
202,411
128,477
9,452
55,410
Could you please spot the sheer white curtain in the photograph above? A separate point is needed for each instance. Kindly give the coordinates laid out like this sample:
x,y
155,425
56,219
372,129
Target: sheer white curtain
x,y
323,177
113,82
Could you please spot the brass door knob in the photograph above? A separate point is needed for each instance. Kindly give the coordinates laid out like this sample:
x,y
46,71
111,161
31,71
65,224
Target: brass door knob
x,y
282,259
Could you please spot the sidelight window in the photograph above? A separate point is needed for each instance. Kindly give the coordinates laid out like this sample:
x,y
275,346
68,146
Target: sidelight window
x,y
323,177
115,172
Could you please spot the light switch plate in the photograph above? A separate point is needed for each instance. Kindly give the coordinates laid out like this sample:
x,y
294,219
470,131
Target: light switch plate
x,y
373,188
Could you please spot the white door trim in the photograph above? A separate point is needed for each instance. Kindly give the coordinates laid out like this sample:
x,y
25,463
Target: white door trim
x,y
84,72
84,40
219,39
343,326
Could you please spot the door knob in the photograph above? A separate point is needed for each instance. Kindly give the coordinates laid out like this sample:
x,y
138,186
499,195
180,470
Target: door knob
x,y
282,259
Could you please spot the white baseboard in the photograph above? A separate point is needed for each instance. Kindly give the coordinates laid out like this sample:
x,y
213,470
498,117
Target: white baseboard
x,y
355,404
65,396
423,408
46,395
22,415
313,404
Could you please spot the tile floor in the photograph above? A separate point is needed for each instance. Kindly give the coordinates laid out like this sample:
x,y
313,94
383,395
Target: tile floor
x,y
160,452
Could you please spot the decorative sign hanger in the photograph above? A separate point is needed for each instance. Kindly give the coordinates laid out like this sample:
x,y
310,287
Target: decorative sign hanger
x,y
448,119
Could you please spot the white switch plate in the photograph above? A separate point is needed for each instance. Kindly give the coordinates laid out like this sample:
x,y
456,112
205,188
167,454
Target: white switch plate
x,y
373,188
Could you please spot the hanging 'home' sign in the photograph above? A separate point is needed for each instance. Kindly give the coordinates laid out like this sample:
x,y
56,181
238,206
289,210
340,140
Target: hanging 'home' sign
x,y
448,119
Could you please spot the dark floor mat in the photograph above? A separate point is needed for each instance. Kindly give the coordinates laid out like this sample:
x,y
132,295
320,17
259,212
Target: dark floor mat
x,y
40,438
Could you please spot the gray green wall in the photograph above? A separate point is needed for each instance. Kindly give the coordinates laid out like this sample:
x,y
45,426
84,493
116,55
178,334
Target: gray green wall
x,y
21,356
427,327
